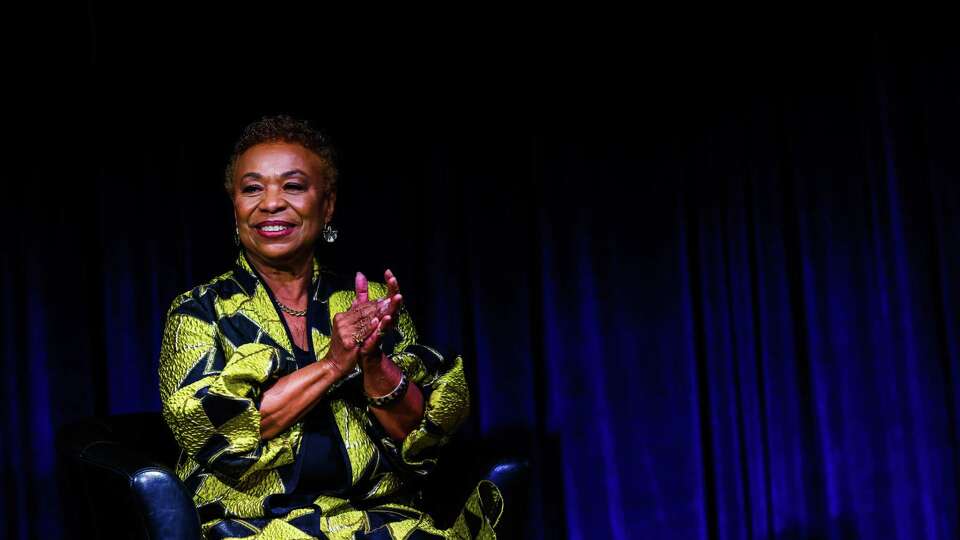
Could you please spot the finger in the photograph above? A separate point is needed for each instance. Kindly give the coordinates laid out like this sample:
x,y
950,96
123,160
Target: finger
x,y
359,333
373,340
359,312
350,322
391,314
393,286
370,333
396,302
367,324
360,286
383,305
389,305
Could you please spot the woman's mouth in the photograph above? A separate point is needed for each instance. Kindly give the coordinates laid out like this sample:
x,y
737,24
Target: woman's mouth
x,y
274,229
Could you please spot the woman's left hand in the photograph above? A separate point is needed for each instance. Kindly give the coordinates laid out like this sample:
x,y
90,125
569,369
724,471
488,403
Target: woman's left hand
x,y
382,314
381,376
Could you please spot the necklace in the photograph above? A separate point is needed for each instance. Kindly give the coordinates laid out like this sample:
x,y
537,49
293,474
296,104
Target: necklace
x,y
291,311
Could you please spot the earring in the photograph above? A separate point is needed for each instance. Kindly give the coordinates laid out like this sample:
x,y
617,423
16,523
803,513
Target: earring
x,y
236,236
329,233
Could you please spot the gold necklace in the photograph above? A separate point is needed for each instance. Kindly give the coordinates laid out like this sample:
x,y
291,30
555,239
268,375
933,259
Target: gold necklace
x,y
291,311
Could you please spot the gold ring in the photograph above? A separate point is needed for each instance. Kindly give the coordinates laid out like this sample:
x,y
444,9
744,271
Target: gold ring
x,y
358,335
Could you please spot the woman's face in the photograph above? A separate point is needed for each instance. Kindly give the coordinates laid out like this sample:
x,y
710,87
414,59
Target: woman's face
x,y
281,201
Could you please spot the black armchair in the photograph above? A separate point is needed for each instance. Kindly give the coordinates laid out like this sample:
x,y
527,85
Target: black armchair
x,y
118,480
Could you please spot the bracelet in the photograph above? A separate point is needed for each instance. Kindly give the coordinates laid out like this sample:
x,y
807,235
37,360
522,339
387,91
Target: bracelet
x,y
396,395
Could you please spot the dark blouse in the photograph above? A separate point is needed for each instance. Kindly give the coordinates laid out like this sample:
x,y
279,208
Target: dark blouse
x,y
324,466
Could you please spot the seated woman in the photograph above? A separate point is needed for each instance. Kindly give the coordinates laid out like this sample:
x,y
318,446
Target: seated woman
x,y
305,406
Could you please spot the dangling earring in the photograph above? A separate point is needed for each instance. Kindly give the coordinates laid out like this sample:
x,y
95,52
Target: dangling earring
x,y
329,234
236,236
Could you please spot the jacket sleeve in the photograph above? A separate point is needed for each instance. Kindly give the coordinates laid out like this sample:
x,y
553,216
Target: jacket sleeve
x,y
210,399
445,392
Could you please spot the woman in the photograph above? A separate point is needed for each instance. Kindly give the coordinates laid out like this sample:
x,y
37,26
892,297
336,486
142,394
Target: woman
x,y
304,406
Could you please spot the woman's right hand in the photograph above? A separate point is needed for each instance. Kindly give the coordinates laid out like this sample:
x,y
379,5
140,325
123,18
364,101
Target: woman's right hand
x,y
343,352
360,321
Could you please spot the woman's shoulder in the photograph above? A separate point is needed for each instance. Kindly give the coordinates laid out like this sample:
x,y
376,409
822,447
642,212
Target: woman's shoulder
x,y
201,299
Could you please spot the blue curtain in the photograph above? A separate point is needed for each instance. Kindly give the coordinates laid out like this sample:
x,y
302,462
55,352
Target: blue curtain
x,y
737,319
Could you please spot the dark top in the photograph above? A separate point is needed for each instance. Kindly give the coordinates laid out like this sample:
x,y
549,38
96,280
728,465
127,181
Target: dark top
x,y
324,467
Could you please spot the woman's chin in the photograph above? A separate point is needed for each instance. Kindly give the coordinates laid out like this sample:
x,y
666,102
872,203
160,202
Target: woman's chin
x,y
280,253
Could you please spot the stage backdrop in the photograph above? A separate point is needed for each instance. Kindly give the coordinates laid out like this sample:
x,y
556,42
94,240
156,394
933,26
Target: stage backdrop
x,y
735,315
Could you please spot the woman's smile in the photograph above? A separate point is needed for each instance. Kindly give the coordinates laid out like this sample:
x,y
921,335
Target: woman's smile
x,y
275,228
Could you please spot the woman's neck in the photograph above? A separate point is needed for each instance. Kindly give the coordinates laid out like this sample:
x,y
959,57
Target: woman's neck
x,y
289,281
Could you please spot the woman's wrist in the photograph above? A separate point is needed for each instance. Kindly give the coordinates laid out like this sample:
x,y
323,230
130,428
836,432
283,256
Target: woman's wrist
x,y
380,376
372,362
394,396
336,370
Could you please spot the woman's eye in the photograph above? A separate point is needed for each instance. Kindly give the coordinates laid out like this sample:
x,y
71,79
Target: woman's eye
x,y
295,187
250,189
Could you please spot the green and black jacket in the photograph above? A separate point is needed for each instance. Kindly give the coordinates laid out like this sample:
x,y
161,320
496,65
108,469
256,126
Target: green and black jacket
x,y
224,342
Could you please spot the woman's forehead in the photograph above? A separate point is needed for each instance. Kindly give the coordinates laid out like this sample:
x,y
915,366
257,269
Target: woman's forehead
x,y
277,159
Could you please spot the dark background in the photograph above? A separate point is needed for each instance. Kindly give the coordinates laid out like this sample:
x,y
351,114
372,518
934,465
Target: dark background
x,y
705,278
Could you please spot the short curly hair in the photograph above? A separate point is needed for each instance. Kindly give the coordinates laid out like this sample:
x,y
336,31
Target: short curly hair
x,y
283,128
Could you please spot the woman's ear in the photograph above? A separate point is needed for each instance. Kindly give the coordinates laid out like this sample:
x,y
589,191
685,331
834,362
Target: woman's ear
x,y
331,203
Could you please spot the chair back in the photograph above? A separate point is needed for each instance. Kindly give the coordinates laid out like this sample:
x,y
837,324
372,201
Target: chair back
x,y
117,475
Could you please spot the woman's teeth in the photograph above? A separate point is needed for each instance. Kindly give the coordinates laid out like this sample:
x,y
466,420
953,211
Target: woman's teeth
x,y
275,228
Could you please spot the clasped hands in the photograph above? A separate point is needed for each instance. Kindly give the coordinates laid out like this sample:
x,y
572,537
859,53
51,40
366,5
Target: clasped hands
x,y
356,334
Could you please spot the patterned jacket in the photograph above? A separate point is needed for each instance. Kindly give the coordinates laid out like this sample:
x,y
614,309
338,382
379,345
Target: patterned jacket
x,y
224,342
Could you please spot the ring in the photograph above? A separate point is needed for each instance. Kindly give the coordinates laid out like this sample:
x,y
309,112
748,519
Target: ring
x,y
357,339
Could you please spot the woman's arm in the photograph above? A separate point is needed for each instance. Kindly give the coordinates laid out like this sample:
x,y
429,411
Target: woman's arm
x,y
437,400
380,377
293,395
209,396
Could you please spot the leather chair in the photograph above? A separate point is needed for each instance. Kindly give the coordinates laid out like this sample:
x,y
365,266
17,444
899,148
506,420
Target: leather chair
x,y
118,481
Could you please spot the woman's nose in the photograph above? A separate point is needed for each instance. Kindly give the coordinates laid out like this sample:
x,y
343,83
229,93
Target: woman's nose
x,y
272,200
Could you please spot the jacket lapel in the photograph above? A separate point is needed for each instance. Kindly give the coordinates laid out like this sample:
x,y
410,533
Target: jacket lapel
x,y
259,307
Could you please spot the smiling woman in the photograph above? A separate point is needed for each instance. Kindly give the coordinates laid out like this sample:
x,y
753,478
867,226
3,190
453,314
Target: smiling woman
x,y
281,201
304,404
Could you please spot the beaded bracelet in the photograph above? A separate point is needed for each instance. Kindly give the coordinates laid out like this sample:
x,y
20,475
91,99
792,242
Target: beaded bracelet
x,y
396,395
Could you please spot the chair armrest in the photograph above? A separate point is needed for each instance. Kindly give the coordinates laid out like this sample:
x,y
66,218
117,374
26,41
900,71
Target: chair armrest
x,y
512,477
127,481
509,472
